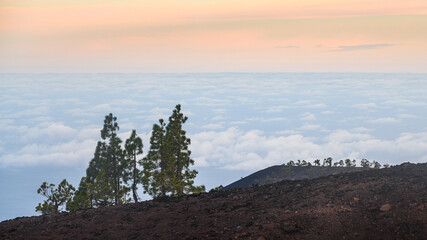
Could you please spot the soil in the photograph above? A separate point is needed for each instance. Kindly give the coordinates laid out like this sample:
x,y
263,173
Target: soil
x,y
379,204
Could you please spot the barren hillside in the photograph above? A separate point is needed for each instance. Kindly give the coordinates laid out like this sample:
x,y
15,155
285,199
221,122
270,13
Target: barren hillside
x,y
378,204
282,172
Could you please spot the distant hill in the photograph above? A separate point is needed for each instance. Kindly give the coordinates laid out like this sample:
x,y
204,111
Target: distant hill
x,y
282,172
378,204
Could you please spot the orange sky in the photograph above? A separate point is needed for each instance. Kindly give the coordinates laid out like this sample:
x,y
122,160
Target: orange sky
x,y
213,35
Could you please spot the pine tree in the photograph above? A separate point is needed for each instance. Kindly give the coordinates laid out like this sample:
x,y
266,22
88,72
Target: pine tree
x,y
108,157
133,147
166,166
376,164
156,171
55,197
327,162
114,156
317,162
177,144
365,163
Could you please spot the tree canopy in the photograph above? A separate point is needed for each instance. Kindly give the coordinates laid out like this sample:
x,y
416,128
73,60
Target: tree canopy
x,y
56,197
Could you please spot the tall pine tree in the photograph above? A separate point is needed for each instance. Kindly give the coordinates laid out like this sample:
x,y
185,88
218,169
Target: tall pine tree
x,y
182,178
155,178
133,148
167,164
114,157
106,168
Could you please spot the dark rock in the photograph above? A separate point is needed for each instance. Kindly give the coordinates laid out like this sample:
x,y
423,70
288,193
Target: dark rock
x,y
361,207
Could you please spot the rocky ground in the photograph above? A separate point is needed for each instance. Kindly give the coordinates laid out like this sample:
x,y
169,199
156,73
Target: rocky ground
x,y
378,204
279,173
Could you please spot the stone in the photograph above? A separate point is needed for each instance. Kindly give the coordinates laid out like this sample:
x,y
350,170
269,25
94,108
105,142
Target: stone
x,y
385,208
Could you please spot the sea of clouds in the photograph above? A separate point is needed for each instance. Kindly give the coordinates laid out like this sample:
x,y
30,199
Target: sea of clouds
x,y
236,121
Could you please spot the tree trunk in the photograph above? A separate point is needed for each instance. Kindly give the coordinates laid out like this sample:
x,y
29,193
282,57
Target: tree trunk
x,y
116,181
163,166
163,181
180,191
135,196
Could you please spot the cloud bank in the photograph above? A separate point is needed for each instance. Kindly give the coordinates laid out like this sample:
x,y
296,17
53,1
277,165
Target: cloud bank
x,y
252,150
236,121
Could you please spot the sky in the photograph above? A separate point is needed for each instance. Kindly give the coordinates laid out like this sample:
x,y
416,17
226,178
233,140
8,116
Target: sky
x,y
262,82
74,36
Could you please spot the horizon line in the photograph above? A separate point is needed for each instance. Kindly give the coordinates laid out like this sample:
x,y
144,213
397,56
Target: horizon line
x,y
219,72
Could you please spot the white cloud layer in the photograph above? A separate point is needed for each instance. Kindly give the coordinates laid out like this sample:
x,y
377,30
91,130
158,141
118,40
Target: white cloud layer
x,y
56,118
252,150
72,153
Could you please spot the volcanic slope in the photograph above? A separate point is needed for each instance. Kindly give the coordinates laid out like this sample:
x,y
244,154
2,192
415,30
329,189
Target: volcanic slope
x,y
279,173
379,204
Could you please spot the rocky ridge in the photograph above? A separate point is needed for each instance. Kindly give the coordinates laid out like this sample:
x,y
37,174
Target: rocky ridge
x,y
378,204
